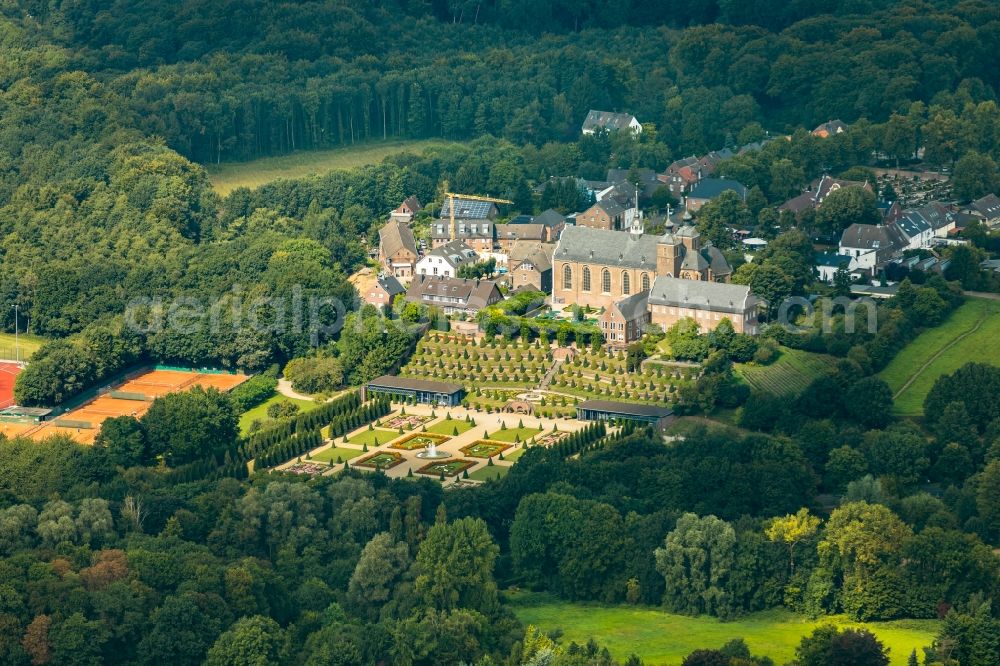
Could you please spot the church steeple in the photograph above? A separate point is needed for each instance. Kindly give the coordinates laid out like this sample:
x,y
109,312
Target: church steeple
x,y
637,226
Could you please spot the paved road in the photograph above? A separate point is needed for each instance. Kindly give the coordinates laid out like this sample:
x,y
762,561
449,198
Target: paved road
x,y
983,294
285,389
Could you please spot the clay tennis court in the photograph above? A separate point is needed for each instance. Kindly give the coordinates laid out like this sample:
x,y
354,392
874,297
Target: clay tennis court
x,y
144,388
8,372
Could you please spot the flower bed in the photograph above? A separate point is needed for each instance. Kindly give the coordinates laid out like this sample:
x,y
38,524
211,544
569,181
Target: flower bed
x,y
452,467
380,460
405,421
550,438
484,448
307,468
419,440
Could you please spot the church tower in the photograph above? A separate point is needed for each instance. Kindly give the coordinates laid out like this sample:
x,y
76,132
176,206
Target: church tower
x,y
668,255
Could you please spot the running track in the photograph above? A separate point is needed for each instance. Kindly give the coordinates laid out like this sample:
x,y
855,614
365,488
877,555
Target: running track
x,y
8,371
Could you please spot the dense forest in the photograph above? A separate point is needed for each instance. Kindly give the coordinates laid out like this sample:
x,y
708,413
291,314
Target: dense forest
x,y
109,557
105,104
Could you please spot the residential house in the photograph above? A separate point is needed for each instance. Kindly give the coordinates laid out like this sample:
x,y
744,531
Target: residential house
x,y
468,209
818,191
624,321
682,175
453,295
871,246
987,210
479,234
648,181
410,207
530,265
508,234
917,230
712,159
827,264
708,303
830,128
383,291
544,228
607,214
708,189
446,259
397,250
610,121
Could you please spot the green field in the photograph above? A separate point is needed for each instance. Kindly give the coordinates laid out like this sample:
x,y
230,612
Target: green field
x,y
448,426
943,349
791,373
27,344
661,638
369,436
334,452
259,413
514,434
488,473
227,177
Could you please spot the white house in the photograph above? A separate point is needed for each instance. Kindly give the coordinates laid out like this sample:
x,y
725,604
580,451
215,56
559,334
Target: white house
x,y
445,261
608,120
870,246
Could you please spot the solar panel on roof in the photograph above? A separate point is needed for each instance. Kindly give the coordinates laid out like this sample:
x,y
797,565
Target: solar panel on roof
x,y
467,208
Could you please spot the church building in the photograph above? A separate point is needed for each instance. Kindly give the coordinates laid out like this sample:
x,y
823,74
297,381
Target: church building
x,y
599,267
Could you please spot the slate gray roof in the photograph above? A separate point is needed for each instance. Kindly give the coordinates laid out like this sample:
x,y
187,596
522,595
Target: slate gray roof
x,y
414,384
702,295
549,218
629,408
607,120
694,261
936,214
391,285
449,292
880,237
456,253
717,260
710,188
988,206
912,224
395,236
819,190
520,231
601,246
634,306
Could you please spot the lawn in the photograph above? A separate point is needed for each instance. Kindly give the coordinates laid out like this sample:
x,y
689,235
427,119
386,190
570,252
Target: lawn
x,y
661,638
227,177
488,473
369,436
259,413
789,374
514,434
27,344
514,455
484,449
335,452
917,360
447,427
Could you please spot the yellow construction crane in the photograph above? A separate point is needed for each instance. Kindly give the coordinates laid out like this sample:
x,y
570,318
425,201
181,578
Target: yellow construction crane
x,y
451,206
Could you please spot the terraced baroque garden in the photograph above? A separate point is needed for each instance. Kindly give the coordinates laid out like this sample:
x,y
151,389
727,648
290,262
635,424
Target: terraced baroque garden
x,y
461,359
602,375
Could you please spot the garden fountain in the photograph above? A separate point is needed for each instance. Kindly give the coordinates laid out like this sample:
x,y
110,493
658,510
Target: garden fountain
x,y
431,453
